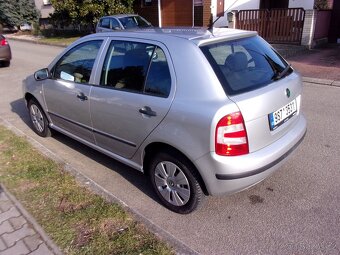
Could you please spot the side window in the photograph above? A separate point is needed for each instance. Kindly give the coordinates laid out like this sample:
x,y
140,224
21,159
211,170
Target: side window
x,y
105,23
158,82
126,65
76,65
115,24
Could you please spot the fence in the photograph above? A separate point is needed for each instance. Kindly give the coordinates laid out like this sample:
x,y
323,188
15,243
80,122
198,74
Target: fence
x,y
275,25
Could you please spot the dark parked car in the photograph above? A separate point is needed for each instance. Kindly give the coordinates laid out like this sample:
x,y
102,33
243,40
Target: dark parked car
x,y
5,52
121,22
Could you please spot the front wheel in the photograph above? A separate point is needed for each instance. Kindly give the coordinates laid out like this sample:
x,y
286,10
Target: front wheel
x,y
38,119
175,182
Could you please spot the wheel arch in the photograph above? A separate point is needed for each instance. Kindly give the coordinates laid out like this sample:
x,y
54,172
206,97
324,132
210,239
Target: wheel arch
x,y
156,147
28,97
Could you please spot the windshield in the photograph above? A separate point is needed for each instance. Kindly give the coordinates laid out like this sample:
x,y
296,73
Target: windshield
x,y
246,64
133,22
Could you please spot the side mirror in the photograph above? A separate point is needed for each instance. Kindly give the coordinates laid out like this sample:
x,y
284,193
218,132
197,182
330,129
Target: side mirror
x,y
42,74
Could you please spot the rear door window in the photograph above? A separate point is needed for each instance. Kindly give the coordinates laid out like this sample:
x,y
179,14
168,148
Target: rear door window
x,y
158,82
136,67
244,65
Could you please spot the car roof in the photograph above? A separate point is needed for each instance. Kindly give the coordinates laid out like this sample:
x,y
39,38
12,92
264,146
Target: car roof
x,y
120,16
199,36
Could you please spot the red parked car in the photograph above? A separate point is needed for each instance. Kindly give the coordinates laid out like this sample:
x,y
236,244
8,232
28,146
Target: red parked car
x,y
5,52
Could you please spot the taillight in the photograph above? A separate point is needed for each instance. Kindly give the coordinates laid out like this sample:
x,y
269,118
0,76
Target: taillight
x,y
3,42
231,136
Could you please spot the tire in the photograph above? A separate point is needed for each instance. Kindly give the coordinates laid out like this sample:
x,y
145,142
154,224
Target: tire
x,y
175,182
39,120
5,63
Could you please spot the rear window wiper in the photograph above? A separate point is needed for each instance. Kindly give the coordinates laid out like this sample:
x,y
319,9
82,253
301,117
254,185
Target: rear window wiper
x,y
279,75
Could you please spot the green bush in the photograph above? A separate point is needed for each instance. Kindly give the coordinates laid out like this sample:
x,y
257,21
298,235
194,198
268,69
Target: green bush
x,y
53,32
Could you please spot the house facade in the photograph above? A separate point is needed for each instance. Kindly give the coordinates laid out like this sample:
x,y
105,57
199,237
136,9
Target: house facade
x,y
223,7
165,13
305,25
45,7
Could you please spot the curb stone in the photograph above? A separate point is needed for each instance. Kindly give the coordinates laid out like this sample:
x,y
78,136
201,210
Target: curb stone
x,y
321,81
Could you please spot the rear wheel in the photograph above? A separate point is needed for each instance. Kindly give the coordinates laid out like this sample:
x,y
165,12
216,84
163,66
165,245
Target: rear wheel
x,y
175,182
38,119
5,63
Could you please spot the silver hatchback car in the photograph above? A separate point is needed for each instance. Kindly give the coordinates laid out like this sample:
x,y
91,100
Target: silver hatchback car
x,y
200,112
121,22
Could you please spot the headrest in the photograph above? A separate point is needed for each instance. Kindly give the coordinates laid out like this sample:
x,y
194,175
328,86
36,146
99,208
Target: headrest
x,y
237,61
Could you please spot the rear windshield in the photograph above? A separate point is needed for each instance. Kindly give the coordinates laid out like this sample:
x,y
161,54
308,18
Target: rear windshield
x,y
246,64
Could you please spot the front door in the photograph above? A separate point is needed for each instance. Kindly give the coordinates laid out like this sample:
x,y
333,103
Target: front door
x,y
67,93
134,95
220,8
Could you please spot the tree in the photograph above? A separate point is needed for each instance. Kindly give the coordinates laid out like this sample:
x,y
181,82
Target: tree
x,y
87,12
321,4
13,13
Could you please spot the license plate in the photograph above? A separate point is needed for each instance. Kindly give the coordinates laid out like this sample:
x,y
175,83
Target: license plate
x,y
282,115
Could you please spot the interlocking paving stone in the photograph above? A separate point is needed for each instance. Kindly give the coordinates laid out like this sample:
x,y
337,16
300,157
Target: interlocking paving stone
x,y
3,196
42,250
18,234
5,227
5,206
33,242
15,236
17,222
12,212
18,249
2,245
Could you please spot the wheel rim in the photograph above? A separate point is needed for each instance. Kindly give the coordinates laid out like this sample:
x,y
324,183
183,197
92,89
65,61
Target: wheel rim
x,y
37,118
172,183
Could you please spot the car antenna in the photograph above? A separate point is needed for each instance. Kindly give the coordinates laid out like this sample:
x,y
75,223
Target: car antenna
x,y
211,26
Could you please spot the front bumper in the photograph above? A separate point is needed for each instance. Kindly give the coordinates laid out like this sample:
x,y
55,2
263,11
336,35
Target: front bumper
x,y
223,175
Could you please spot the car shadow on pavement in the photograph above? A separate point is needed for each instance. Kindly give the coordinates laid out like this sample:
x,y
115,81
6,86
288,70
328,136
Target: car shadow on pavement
x,y
135,177
19,107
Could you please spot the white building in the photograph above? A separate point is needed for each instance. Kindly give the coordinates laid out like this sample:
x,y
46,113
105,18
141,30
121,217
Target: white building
x,y
230,5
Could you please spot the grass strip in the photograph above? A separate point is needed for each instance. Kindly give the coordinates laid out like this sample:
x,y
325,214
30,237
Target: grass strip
x,y
63,41
77,220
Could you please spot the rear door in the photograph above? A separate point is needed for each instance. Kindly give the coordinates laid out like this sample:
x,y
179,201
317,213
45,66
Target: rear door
x,y
134,94
261,83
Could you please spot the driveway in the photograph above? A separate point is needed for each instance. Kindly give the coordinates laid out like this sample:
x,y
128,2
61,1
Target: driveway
x,y
295,211
322,63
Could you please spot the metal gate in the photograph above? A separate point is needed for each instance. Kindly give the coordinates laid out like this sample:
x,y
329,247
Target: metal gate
x,y
276,25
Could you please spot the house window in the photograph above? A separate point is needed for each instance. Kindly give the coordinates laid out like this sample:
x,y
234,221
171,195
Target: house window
x,y
46,2
198,2
147,2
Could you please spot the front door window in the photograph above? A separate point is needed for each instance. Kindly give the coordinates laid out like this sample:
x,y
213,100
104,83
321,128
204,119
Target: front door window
x,y
76,65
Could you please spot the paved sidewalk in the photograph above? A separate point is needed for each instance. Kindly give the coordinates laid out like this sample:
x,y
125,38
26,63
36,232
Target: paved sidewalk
x,y
19,233
321,65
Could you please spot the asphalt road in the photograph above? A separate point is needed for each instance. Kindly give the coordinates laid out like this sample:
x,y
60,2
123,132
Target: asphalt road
x,y
295,211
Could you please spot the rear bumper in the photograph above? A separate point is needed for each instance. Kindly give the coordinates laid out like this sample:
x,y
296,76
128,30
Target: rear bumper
x,y
224,175
5,53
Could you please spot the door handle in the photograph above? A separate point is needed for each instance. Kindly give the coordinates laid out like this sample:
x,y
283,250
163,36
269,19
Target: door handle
x,y
82,96
147,111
